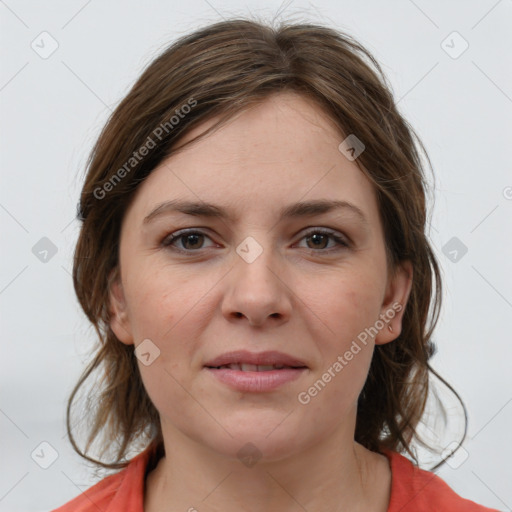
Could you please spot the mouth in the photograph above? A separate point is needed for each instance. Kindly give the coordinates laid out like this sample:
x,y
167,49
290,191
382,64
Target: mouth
x,y
255,372
245,361
246,367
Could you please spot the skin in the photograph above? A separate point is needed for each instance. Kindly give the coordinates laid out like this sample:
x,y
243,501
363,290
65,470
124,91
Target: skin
x,y
305,299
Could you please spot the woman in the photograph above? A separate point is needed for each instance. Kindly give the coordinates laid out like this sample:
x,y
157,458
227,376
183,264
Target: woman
x,y
254,259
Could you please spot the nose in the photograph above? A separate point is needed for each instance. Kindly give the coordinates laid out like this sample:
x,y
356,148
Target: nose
x,y
257,292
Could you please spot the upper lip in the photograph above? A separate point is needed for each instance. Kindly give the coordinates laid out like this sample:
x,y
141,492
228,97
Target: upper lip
x,y
258,358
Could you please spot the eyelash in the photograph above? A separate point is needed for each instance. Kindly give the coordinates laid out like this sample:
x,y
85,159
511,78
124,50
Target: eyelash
x,y
167,242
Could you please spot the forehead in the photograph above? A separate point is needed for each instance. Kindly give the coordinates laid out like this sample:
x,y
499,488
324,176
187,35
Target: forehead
x,y
284,107
282,150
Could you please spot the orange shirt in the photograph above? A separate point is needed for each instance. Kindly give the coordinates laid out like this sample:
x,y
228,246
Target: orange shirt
x,y
412,490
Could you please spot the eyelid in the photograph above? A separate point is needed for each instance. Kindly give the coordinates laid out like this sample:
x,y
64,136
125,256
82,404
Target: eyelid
x,y
176,235
327,231
341,240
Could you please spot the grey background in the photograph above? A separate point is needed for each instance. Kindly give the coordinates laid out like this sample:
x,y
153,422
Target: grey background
x,y
53,108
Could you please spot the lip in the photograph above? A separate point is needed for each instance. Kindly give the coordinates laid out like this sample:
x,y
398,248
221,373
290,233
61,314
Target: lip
x,y
271,357
255,381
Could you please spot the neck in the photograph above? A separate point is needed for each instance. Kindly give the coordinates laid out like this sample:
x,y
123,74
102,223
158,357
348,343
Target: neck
x,y
333,475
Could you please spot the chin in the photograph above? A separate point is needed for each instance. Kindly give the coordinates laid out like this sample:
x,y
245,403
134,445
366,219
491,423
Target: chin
x,y
261,436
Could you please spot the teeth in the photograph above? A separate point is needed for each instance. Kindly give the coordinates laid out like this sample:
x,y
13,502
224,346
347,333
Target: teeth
x,y
266,367
244,367
249,367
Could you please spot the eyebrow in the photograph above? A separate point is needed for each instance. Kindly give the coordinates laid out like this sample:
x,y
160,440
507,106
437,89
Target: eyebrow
x,y
296,210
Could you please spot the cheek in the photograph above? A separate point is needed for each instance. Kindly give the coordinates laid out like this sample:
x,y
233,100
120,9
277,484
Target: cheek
x,y
350,305
350,308
160,299
161,312
170,309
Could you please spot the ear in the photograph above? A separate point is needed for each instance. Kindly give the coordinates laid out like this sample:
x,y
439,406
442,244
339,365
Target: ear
x,y
119,321
393,307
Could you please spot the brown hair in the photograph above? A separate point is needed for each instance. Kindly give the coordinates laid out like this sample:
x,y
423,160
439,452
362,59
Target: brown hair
x,y
220,70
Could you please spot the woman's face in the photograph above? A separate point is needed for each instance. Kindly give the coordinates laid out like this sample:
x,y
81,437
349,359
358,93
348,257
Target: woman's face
x,y
312,284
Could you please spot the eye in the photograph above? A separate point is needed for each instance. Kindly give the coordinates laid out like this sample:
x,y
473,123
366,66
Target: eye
x,y
318,238
188,240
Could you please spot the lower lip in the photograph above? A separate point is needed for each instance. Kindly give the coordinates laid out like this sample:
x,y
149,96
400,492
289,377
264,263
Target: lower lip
x,y
256,382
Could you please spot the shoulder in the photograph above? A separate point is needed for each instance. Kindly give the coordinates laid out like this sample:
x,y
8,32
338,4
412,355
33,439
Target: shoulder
x,y
115,492
414,489
99,496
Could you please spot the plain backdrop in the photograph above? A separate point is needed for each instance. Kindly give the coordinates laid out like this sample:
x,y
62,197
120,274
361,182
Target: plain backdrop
x,y
66,65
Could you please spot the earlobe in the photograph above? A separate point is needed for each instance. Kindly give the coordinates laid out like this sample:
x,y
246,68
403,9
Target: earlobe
x,y
395,301
119,321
